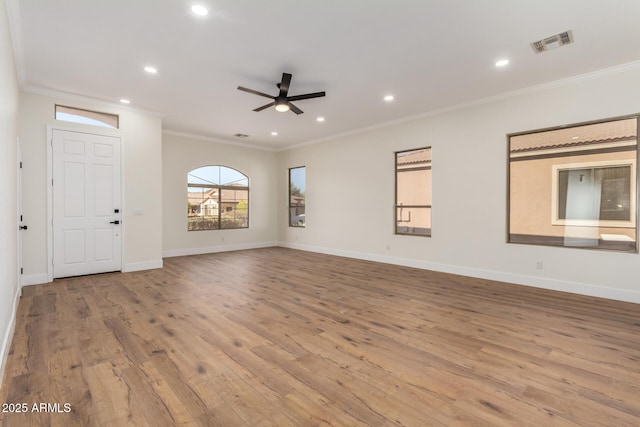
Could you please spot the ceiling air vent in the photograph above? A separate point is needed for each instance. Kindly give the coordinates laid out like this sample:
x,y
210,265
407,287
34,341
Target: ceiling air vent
x,y
241,135
552,42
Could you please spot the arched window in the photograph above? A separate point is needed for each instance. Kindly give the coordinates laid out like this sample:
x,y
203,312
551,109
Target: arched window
x,y
217,198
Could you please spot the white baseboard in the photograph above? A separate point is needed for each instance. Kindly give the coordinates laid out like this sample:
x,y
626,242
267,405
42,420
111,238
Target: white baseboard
x,y
618,294
8,336
139,266
34,279
215,249
37,279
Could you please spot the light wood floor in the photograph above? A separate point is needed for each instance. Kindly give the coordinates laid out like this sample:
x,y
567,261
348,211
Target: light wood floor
x,y
282,337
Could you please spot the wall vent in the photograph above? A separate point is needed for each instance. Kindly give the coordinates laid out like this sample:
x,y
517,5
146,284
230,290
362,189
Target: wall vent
x,y
552,42
241,135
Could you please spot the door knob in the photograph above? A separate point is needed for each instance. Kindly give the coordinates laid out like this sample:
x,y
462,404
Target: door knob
x,y
115,222
23,227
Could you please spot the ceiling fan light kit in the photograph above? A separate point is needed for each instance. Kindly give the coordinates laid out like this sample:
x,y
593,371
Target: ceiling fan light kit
x,y
282,106
282,101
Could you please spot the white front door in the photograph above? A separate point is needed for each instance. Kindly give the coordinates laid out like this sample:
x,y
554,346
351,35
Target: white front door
x,y
86,204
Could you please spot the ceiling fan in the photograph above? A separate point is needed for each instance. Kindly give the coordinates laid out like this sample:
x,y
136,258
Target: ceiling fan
x,y
282,101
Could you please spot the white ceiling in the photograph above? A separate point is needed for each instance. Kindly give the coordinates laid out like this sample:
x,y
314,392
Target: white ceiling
x,y
430,54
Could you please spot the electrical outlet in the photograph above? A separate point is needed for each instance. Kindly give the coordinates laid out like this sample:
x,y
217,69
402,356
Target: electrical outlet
x,y
538,265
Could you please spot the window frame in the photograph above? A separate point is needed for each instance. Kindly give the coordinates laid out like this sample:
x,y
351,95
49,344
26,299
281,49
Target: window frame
x,y
219,198
610,243
397,206
555,190
292,206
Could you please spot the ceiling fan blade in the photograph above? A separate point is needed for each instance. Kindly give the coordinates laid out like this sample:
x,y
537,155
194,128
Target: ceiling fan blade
x,y
255,92
271,104
295,109
306,96
284,84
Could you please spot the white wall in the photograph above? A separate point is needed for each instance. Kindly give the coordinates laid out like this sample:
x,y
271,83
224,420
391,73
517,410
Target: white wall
x,y
142,164
350,190
9,291
182,154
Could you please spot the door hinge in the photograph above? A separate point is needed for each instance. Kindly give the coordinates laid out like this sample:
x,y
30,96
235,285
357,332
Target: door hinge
x,y
21,270
20,165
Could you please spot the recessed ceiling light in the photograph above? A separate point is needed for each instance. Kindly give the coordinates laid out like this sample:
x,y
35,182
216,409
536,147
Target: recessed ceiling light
x,y
151,70
320,119
388,98
274,133
502,63
125,101
199,10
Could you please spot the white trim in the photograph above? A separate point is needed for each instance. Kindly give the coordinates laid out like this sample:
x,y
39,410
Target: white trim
x,y
15,28
626,295
80,128
48,143
216,140
35,279
487,100
215,249
19,240
555,178
66,96
6,342
139,266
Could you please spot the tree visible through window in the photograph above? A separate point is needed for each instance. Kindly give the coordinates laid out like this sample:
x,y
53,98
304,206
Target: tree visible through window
x,y
297,190
217,198
413,192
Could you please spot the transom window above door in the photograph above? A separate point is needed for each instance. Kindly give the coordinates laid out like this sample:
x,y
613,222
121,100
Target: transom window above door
x,y
87,117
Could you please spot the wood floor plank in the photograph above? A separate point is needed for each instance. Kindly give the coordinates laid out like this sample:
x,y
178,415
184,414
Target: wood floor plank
x,y
279,337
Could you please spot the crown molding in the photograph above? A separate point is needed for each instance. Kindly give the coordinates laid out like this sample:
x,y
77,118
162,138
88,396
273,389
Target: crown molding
x,y
86,99
15,29
481,101
216,140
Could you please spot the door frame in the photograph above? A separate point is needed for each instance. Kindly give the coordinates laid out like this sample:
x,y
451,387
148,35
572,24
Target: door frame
x,y
19,218
70,127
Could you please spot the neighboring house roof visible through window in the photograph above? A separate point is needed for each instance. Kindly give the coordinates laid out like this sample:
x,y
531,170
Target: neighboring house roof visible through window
x,y
605,132
217,198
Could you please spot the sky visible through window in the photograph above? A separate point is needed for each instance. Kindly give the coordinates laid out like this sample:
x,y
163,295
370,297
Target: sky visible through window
x,y
75,118
298,178
217,175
